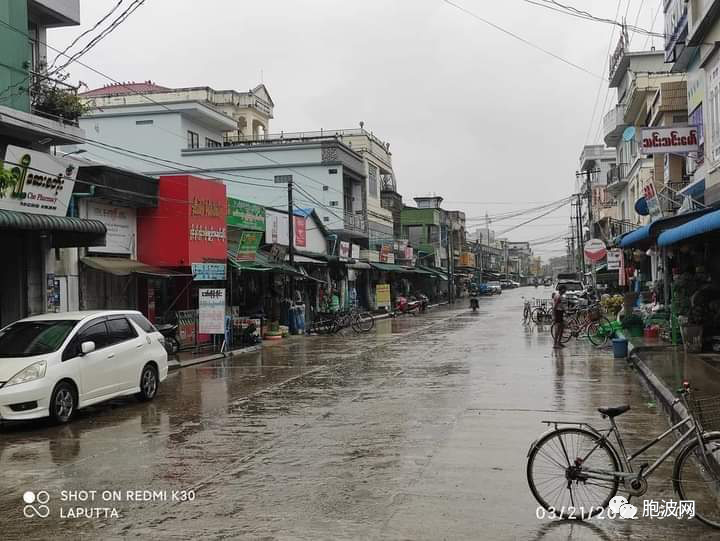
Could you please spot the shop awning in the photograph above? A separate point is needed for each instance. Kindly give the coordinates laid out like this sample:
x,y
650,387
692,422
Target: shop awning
x,y
646,235
66,231
360,265
305,259
704,224
263,263
390,267
124,267
633,238
436,272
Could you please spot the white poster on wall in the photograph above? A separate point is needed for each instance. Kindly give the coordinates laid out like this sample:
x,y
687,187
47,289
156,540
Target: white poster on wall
x,y
211,304
42,183
121,223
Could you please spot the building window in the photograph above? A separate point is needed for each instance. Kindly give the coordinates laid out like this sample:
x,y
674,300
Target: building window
x,y
415,234
212,143
372,180
193,139
144,122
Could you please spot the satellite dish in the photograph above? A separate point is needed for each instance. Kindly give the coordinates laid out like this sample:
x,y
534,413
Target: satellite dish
x,y
629,133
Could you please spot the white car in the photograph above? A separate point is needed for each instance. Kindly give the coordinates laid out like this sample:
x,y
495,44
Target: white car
x,y
54,364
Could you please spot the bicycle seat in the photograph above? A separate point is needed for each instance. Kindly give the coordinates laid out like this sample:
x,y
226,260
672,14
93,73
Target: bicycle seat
x,y
614,412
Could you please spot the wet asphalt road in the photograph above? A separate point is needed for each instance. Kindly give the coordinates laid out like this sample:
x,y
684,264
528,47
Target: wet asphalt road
x,y
418,430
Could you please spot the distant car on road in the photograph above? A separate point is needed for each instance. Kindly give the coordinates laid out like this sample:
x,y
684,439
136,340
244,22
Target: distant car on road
x,y
495,287
51,365
514,284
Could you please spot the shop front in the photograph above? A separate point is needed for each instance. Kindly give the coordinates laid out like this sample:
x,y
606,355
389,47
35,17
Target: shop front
x,y
186,233
34,229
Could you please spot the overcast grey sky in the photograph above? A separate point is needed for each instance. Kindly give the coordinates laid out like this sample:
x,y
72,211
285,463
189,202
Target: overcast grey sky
x,y
471,113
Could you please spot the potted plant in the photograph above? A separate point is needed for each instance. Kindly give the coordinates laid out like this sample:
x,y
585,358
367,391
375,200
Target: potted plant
x,y
56,99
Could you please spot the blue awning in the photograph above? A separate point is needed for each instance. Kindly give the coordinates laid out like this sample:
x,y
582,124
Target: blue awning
x,y
642,234
704,224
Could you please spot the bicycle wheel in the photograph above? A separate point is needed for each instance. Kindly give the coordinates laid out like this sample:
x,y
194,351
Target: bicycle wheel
x,y
556,472
598,332
696,477
363,322
538,315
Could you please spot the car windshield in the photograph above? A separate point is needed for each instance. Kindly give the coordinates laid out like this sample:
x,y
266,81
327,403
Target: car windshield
x,y
28,338
572,286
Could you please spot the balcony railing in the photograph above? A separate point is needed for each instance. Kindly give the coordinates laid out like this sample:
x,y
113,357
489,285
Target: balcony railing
x,y
292,137
614,124
356,221
617,173
670,201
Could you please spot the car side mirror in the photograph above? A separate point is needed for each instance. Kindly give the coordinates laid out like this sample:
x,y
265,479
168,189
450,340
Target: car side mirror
x,y
87,347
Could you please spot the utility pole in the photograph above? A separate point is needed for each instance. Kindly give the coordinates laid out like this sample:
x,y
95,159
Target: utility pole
x,y
450,263
588,188
288,179
580,235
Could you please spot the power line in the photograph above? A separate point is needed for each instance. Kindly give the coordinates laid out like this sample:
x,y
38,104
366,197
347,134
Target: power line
x,y
574,12
533,219
88,31
113,25
520,38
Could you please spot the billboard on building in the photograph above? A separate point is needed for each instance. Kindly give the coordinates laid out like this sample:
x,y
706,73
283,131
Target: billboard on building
x,y
673,139
42,183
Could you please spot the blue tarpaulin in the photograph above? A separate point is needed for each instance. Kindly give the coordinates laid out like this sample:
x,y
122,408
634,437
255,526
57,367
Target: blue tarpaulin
x,y
699,226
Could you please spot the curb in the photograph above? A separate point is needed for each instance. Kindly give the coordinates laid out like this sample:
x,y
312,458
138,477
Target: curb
x,y
174,364
661,391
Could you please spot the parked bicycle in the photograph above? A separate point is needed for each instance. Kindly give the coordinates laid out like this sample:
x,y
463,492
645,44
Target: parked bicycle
x,y
334,322
542,312
585,322
574,470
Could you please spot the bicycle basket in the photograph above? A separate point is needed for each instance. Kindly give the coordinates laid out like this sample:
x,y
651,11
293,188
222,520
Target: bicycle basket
x,y
594,314
705,411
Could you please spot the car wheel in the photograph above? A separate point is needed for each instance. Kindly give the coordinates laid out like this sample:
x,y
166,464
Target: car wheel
x,y
62,403
148,383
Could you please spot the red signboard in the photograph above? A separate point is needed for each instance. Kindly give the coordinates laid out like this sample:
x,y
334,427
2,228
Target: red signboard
x,y
188,226
300,231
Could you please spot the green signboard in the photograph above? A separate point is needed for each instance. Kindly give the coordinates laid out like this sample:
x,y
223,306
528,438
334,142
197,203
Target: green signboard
x,y
245,215
249,243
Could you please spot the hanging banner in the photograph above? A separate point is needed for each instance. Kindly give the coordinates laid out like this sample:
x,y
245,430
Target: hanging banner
x,y
653,202
42,183
595,250
355,251
249,243
344,249
300,229
211,311
614,259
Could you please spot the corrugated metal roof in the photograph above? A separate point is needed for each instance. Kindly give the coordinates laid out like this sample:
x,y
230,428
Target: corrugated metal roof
x,y
10,219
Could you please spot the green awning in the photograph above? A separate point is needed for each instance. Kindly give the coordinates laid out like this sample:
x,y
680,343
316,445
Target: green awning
x,y
389,267
66,231
263,263
437,272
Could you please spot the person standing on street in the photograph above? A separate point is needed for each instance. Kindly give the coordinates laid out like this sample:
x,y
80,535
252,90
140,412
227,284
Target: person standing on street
x,y
559,316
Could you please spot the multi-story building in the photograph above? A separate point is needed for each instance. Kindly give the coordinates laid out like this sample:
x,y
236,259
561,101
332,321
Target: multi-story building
x,y
36,188
637,76
223,134
596,161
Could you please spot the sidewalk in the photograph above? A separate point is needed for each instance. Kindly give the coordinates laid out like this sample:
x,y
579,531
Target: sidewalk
x,y
665,367
190,358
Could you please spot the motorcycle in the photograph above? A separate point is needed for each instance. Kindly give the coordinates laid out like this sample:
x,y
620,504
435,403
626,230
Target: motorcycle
x,y
474,303
170,340
404,305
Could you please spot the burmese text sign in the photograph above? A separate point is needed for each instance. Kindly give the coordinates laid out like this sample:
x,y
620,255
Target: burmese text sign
x,y
211,311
